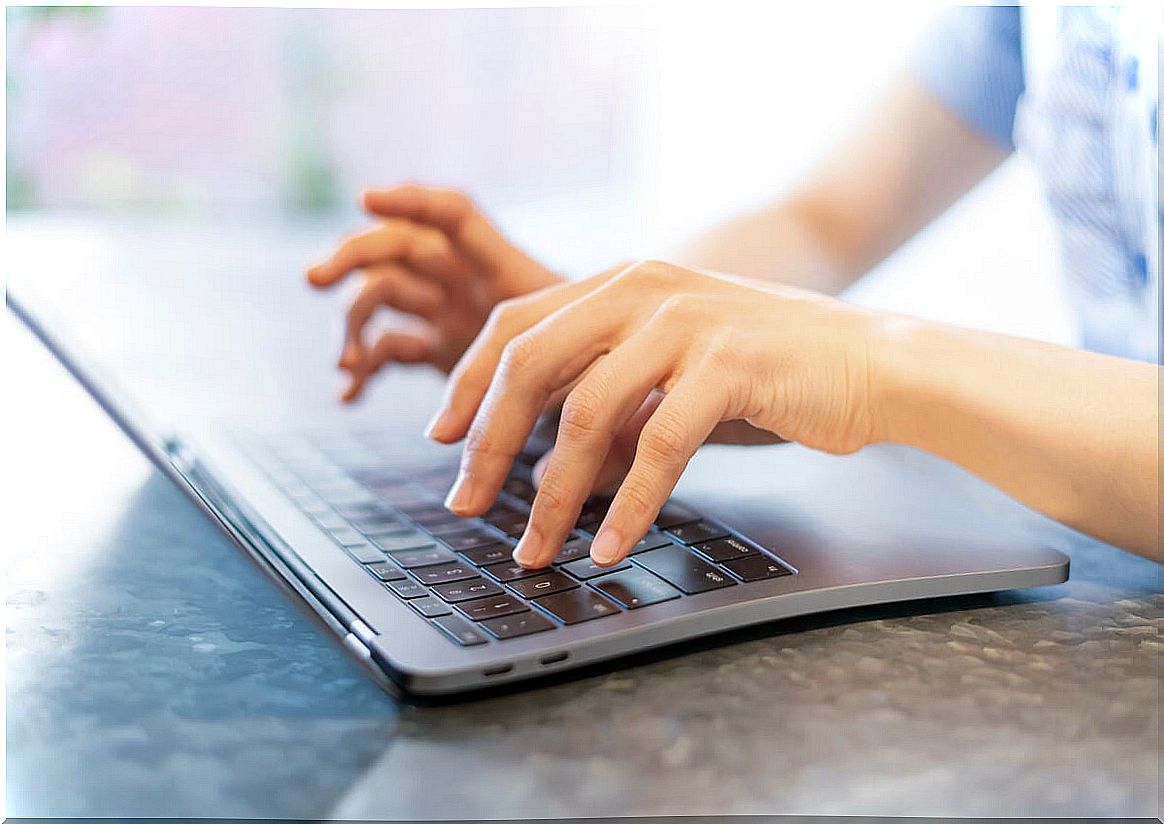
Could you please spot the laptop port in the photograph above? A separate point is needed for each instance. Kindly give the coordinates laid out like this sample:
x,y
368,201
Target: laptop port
x,y
501,669
556,658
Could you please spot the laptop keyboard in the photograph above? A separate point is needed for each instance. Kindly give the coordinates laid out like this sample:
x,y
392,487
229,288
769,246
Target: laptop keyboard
x,y
458,572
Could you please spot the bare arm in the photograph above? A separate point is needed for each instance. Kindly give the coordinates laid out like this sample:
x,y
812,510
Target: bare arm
x,y
904,166
1075,435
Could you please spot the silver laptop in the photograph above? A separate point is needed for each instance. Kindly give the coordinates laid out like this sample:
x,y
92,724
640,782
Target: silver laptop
x,y
348,517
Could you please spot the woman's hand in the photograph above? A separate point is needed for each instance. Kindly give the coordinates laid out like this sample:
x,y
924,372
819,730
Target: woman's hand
x,y
433,256
786,361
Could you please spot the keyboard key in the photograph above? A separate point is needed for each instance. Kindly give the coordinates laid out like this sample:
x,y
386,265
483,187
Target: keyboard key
x,y
386,571
430,607
634,588
697,532
379,524
467,590
454,526
358,512
652,540
492,607
673,514
365,553
506,518
470,539
514,626
407,588
444,573
544,584
427,556
584,569
510,571
726,549
577,605
756,568
682,568
520,488
593,511
460,630
494,553
411,539
329,520
572,550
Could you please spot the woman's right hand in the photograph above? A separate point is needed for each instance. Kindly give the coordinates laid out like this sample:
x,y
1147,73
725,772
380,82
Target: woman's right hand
x,y
434,256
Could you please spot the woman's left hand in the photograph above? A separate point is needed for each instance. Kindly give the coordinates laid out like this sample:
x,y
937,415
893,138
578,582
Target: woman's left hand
x,y
790,362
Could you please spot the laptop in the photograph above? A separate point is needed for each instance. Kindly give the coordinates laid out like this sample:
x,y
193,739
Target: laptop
x,y
348,518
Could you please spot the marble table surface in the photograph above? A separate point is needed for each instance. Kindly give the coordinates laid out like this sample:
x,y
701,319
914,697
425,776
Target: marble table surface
x,y
152,670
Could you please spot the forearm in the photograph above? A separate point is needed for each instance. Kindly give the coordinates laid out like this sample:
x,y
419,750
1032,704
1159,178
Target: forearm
x,y
1072,434
789,242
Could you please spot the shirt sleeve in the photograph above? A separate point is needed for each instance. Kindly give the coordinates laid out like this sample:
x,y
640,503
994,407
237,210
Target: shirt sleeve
x,y
971,61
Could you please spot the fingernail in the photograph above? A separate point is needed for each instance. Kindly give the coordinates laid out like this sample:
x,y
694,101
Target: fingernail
x,y
461,495
529,549
436,427
604,549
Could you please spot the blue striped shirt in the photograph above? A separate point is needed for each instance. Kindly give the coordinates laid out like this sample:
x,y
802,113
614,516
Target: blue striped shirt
x,y
1077,90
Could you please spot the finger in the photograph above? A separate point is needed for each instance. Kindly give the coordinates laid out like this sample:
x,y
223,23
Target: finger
x,y
448,210
471,377
531,366
398,347
674,432
594,413
393,286
384,243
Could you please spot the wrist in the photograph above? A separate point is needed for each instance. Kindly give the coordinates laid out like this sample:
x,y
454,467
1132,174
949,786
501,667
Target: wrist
x,y
900,350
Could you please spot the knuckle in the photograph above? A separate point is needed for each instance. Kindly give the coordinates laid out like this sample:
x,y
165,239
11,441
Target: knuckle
x,y
519,354
480,443
552,496
662,440
634,498
582,412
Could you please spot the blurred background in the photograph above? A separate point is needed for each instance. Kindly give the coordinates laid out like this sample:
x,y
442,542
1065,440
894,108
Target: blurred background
x,y
663,116
592,134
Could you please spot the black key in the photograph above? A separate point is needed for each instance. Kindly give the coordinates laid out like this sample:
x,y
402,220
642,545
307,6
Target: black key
x,y
505,518
492,606
430,607
585,569
411,539
756,568
347,537
572,550
511,522
453,527
427,556
682,568
725,549
386,531
359,512
466,590
386,571
510,571
577,605
470,539
697,532
490,554
460,630
407,588
544,584
593,511
673,514
652,540
365,553
438,520
514,626
329,520
520,488
378,523
634,588
444,573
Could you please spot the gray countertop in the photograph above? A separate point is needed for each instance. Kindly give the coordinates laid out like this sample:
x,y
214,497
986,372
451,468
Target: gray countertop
x,y
152,670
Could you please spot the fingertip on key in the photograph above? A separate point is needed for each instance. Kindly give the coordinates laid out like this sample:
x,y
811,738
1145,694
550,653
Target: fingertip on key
x,y
606,548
